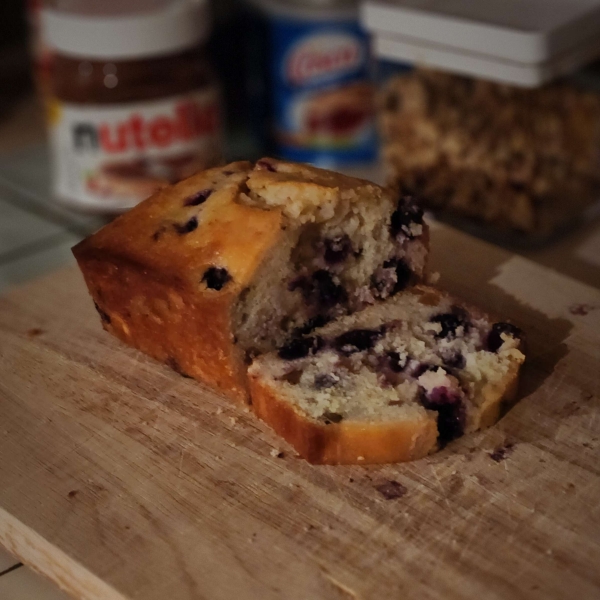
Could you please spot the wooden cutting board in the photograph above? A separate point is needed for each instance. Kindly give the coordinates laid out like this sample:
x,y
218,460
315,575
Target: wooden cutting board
x,y
120,479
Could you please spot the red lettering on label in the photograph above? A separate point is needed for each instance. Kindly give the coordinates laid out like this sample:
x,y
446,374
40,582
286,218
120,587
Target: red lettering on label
x,y
185,113
316,60
162,131
189,120
115,140
137,129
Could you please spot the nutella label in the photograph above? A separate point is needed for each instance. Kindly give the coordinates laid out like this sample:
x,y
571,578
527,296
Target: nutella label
x,y
112,157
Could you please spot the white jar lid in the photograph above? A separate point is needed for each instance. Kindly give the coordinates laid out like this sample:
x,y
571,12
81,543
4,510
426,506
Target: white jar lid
x,y
526,42
167,28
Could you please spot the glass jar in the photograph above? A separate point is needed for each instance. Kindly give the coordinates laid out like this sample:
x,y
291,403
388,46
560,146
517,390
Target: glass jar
x,y
511,164
134,102
319,89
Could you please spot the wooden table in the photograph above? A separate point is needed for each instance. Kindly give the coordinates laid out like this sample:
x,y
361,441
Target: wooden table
x,y
119,479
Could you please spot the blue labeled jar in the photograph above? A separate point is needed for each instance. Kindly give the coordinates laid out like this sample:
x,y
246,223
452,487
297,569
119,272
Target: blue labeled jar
x,y
320,92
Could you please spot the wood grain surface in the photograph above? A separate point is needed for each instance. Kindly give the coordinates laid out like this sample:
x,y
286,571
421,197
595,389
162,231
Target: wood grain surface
x,y
119,479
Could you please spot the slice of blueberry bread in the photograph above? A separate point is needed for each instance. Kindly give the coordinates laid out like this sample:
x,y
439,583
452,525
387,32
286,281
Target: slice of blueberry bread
x,y
392,383
238,260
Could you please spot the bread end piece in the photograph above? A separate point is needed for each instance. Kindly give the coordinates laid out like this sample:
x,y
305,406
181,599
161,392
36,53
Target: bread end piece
x,y
146,278
164,319
347,442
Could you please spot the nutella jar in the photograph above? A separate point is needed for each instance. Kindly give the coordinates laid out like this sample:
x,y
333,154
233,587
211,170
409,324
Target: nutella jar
x,y
135,105
41,55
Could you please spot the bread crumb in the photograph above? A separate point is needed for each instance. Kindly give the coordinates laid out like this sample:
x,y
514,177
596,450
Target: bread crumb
x,y
433,278
219,410
233,421
360,458
277,453
502,452
391,490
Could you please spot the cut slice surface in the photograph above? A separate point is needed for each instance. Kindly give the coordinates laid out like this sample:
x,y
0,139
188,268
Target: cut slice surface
x,y
345,243
391,383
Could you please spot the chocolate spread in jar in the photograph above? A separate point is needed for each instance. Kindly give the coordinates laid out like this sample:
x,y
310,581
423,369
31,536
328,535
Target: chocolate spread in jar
x,y
130,113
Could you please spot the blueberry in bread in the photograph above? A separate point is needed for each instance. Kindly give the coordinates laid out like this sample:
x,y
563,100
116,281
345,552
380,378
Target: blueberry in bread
x,y
239,260
392,383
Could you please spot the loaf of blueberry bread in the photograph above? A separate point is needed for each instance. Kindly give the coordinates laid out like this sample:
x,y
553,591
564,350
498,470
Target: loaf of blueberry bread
x,y
392,383
239,260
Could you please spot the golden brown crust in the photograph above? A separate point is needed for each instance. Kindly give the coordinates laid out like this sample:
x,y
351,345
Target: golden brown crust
x,y
165,319
353,442
228,233
271,170
149,288
497,403
348,442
